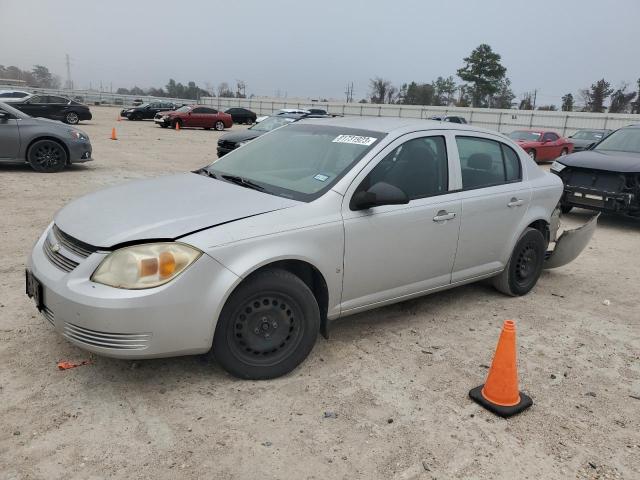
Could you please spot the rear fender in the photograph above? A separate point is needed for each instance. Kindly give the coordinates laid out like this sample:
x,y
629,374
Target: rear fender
x,y
570,244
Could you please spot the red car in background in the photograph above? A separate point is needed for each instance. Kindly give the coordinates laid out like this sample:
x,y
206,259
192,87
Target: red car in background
x,y
542,145
198,116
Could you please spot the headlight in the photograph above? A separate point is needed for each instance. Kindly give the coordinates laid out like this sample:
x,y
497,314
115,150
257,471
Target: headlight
x,y
557,166
145,266
78,135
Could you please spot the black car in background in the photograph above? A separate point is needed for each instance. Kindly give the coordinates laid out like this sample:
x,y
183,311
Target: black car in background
x,y
605,178
147,111
583,139
54,107
242,115
449,118
233,140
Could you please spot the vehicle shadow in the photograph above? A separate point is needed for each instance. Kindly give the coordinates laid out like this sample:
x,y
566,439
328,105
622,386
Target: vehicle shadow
x,y
24,167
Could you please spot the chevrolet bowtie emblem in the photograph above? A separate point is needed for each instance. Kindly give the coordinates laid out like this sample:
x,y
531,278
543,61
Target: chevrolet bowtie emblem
x,y
55,247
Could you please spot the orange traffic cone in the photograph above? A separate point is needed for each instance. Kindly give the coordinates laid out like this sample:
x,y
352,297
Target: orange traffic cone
x,y
500,393
113,134
177,126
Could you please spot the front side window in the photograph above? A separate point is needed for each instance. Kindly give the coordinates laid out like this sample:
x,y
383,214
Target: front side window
x,y
200,110
418,167
550,137
485,163
38,99
59,100
300,161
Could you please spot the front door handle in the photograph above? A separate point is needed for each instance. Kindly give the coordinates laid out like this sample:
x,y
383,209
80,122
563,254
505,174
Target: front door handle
x,y
515,202
443,216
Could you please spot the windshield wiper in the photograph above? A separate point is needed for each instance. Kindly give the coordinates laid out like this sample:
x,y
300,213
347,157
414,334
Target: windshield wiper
x,y
204,171
243,182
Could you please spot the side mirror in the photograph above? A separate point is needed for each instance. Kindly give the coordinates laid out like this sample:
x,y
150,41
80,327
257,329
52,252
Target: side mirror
x,y
377,195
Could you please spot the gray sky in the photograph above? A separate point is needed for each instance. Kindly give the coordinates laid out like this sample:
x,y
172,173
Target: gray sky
x,y
315,47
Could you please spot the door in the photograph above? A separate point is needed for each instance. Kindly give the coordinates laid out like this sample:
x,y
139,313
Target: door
x,y
57,107
494,199
395,251
35,106
9,136
550,148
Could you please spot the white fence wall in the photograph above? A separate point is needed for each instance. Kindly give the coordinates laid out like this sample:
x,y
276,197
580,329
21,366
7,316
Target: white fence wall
x,y
501,120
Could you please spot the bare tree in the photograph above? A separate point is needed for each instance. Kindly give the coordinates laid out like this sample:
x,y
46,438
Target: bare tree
x,y
379,88
224,90
621,100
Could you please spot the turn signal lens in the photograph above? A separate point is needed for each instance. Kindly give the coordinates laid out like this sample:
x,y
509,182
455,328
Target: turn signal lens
x,y
145,266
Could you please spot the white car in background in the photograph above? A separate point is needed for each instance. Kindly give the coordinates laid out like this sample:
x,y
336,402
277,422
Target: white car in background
x,y
13,95
284,111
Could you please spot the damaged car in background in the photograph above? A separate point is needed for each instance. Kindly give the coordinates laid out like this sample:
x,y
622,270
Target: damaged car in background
x,y
605,178
252,256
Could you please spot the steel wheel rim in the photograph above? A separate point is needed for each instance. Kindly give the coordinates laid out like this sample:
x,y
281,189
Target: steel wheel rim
x,y
48,155
526,263
72,117
532,154
266,329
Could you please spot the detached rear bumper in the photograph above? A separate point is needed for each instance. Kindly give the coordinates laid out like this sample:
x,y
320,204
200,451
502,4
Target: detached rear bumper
x,y
570,244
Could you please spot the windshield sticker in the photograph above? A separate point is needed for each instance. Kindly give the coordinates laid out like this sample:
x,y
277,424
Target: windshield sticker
x,y
322,178
354,139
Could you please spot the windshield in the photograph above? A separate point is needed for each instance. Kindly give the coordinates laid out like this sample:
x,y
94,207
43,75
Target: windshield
x,y
270,123
299,161
588,135
623,140
525,135
184,109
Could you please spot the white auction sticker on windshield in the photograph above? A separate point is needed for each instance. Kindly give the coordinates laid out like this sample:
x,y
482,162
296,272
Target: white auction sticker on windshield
x,y
354,139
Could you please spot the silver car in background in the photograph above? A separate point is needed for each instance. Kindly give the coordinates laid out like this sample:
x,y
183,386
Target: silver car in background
x,y
47,145
251,257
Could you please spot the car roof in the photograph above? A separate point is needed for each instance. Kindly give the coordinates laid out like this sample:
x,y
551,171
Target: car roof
x,y
393,124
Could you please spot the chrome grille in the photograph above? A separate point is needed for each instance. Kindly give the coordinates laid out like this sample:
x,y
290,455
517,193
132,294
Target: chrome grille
x,y
76,246
55,257
48,314
120,341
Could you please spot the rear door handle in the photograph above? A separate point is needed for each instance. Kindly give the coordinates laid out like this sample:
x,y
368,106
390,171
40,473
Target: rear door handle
x,y
443,216
515,202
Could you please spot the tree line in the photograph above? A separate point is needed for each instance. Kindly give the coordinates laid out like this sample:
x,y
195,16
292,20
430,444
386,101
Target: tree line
x,y
38,76
486,85
189,91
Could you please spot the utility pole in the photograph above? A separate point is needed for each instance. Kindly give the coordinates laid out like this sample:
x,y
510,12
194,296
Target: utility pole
x,y
535,95
349,92
69,84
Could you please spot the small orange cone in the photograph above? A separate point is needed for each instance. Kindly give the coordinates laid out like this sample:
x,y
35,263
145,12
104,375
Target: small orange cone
x,y
500,393
113,134
177,126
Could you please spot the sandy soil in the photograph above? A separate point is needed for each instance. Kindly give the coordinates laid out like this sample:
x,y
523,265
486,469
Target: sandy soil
x,y
393,382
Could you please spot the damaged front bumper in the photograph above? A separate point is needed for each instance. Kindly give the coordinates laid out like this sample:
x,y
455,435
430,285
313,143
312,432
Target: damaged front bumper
x,y
599,200
570,243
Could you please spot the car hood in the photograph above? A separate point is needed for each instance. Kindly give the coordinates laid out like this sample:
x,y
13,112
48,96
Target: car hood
x,y
241,136
161,209
604,160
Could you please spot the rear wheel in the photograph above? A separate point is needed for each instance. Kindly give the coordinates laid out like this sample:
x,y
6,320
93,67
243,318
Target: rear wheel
x,y
267,327
71,118
525,265
47,156
532,154
219,125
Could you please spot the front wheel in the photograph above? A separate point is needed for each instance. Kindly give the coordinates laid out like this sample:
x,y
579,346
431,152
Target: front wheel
x,y
71,118
47,156
219,125
267,327
525,265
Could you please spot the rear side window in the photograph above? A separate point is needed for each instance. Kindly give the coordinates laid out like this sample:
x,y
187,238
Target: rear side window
x,y
485,163
418,167
53,99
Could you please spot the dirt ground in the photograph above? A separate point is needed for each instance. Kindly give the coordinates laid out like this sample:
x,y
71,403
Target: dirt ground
x,y
385,397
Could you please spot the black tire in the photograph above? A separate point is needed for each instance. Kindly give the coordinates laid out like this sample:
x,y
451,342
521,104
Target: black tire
x,y
47,156
163,125
267,327
71,118
525,265
532,154
219,125
565,208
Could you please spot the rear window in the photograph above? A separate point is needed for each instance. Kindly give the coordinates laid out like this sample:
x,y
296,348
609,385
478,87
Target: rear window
x,y
485,163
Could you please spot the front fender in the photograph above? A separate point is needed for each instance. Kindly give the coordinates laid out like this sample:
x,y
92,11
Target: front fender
x,y
570,243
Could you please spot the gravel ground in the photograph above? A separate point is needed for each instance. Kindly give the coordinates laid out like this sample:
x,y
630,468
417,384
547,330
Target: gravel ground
x,y
385,397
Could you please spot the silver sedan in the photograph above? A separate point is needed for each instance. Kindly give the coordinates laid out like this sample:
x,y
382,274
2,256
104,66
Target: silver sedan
x,y
254,255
